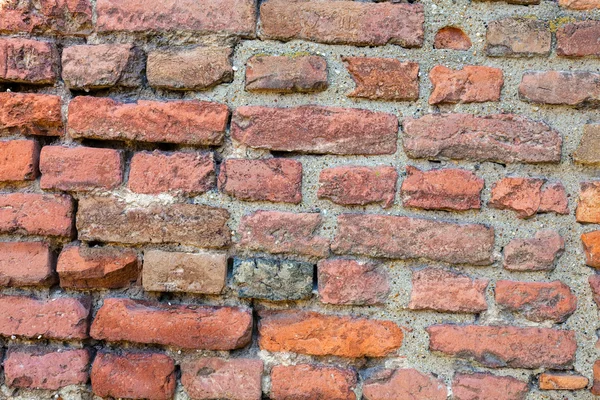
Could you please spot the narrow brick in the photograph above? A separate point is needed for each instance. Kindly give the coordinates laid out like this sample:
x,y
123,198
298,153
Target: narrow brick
x,y
572,88
286,74
19,160
406,238
102,66
578,39
80,168
179,172
518,37
188,327
596,371
28,61
47,16
591,248
588,150
355,185
471,84
190,122
406,383
109,219
383,78
198,68
316,130
487,386
350,282
561,381
579,5
26,264
30,114
36,214
504,138
311,333
308,381
451,38
274,179
594,282
505,346
588,208
538,253
184,272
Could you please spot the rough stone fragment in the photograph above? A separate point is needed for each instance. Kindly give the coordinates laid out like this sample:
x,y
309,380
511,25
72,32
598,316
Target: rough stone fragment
x,y
286,74
403,384
26,264
27,61
19,160
351,282
471,84
451,38
522,195
588,151
481,386
72,17
30,114
306,381
536,254
588,208
36,214
591,248
578,39
557,381
518,37
572,88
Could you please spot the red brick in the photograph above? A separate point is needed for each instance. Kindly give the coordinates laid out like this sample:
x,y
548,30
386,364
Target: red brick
x,y
383,78
480,386
342,22
286,74
405,238
160,172
504,138
522,195
19,160
537,301
441,189
217,378
59,318
558,381
184,326
518,37
573,88
134,375
447,291
189,69
591,248
355,185
307,332
579,4
275,179
307,381
70,17
26,264
471,84
403,384
505,346
283,232
315,129
578,39
594,281
28,61
36,214
30,114
596,370
110,219
536,254
102,66
80,168
451,38
352,282
190,122
588,208
236,17
81,267
588,150
554,199
44,368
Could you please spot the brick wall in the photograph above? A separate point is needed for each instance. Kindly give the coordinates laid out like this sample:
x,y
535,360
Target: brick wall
x,y
299,199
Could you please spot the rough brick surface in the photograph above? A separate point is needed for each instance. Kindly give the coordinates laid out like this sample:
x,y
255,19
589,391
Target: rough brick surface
x,y
19,160
73,17
578,39
26,264
28,61
588,207
286,74
588,150
30,114
344,281
558,381
591,248
579,4
306,381
451,38
487,386
577,88
403,384
518,37
36,214
538,253
596,387
522,195
471,84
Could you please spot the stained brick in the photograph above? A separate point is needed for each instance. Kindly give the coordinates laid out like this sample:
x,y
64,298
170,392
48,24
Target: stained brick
x,y
588,150
588,208
26,264
28,61
471,84
535,254
286,74
72,17
451,38
403,384
36,214
578,39
19,160
579,4
309,381
518,37
487,386
573,88
30,114
561,381
343,281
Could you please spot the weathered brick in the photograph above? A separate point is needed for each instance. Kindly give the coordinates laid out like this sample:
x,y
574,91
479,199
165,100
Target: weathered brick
x,y
596,370
316,129
588,208
109,219
591,248
36,214
558,381
519,2
274,179
308,381
505,346
343,22
81,267
572,88
403,384
451,38
28,61
80,168
579,4
159,172
554,199
26,264
504,138
405,238
189,69
190,122
30,114
447,291
184,272
526,197
283,232
59,318
102,66
236,17
134,375
538,253
588,150
73,17
481,386
594,281
19,160
307,332
471,84
286,74
351,282
356,185
383,78
441,189
518,37
578,39
217,378
189,327
274,280
44,368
